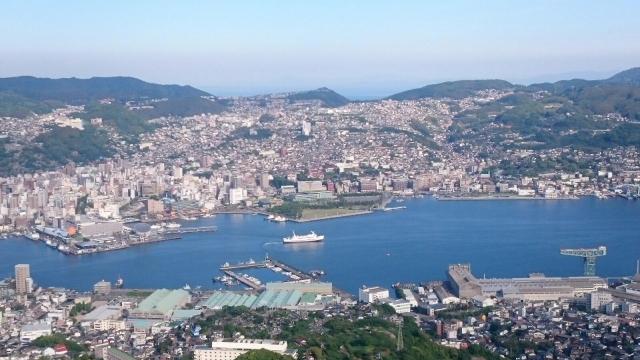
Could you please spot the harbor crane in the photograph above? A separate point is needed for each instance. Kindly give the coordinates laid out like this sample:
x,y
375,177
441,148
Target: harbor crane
x,y
589,256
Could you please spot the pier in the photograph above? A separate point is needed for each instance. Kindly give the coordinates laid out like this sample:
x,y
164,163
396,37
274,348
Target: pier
x,y
190,230
304,276
244,280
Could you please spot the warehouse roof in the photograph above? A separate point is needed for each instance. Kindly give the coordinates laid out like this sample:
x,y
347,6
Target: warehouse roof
x,y
162,301
103,312
226,298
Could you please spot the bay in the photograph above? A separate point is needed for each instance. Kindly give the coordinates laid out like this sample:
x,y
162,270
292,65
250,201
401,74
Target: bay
x,y
498,238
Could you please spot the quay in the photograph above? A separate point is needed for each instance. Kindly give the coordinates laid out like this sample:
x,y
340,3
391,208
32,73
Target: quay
x,y
258,265
303,276
244,280
394,208
190,230
331,217
497,198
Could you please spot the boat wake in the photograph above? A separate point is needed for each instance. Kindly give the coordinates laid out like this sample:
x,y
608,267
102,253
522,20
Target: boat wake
x,y
272,243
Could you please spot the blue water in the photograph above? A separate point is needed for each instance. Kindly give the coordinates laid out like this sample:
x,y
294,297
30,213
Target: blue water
x,y
498,238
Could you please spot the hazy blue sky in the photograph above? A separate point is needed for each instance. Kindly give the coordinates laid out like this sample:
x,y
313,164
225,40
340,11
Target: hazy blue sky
x,y
355,47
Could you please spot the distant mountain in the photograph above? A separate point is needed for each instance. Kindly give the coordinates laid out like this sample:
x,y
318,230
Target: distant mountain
x,y
451,89
627,77
329,97
81,91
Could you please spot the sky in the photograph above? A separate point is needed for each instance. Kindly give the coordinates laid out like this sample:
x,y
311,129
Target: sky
x,y
358,48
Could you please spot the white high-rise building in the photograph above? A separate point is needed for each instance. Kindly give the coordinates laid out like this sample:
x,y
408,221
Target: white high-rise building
x,y
236,196
306,128
177,172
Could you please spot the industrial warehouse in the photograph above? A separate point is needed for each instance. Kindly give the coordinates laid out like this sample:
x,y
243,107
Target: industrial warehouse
x,y
534,287
291,296
161,304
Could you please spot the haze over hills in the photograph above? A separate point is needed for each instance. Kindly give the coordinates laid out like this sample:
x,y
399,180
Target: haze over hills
x,y
79,91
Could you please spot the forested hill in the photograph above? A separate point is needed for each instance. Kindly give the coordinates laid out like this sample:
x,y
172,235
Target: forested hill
x,y
464,88
80,91
451,89
328,96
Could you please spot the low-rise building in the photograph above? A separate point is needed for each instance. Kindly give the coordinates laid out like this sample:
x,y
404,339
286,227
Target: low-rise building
x,y
31,332
229,349
372,294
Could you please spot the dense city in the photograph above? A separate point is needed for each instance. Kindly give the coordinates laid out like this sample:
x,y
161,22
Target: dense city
x,y
303,157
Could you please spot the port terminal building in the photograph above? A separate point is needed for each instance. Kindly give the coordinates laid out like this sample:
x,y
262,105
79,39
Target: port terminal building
x,y
534,287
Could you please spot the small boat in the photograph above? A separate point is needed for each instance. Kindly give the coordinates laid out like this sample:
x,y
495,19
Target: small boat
x,y
186,287
119,282
270,217
63,249
51,244
225,264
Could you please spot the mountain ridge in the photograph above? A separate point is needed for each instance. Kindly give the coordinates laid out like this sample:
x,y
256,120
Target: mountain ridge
x,y
463,88
79,91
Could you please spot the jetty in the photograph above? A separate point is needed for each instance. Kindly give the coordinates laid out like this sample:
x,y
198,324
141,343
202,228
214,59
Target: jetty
x,y
230,270
190,230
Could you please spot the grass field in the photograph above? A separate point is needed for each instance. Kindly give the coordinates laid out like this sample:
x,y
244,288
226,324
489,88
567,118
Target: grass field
x,y
320,213
138,293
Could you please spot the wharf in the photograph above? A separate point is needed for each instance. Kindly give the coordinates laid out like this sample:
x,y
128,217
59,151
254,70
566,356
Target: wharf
x,y
244,280
190,230
304,276
331,217
242,212
498,198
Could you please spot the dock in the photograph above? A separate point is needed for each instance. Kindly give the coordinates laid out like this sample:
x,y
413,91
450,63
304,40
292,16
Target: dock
x,y
229,270
244,280
190,230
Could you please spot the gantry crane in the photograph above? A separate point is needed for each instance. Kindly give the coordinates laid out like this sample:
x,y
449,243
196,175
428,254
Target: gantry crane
x,y
589,256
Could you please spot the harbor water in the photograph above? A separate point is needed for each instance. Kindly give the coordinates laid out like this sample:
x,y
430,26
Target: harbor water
x,y
498,238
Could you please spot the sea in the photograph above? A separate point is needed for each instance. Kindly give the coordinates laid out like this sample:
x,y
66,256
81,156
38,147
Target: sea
x,y
498,238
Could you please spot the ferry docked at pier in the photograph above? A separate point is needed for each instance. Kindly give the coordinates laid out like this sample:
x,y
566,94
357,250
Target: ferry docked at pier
x,y
32,236
312,237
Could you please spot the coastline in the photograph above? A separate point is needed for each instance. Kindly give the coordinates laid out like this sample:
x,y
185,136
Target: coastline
x,y
482,198
331,217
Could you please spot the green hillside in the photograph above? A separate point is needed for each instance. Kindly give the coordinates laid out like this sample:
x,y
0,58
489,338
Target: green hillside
x,y
187,106
17,106
80,91
125,121
451,89
329,97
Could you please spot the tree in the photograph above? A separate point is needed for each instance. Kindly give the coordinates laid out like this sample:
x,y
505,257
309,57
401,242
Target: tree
x,y
262,355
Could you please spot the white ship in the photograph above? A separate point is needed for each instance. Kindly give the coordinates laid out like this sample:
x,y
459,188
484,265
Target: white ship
x,y
32,236
312,237
172,226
